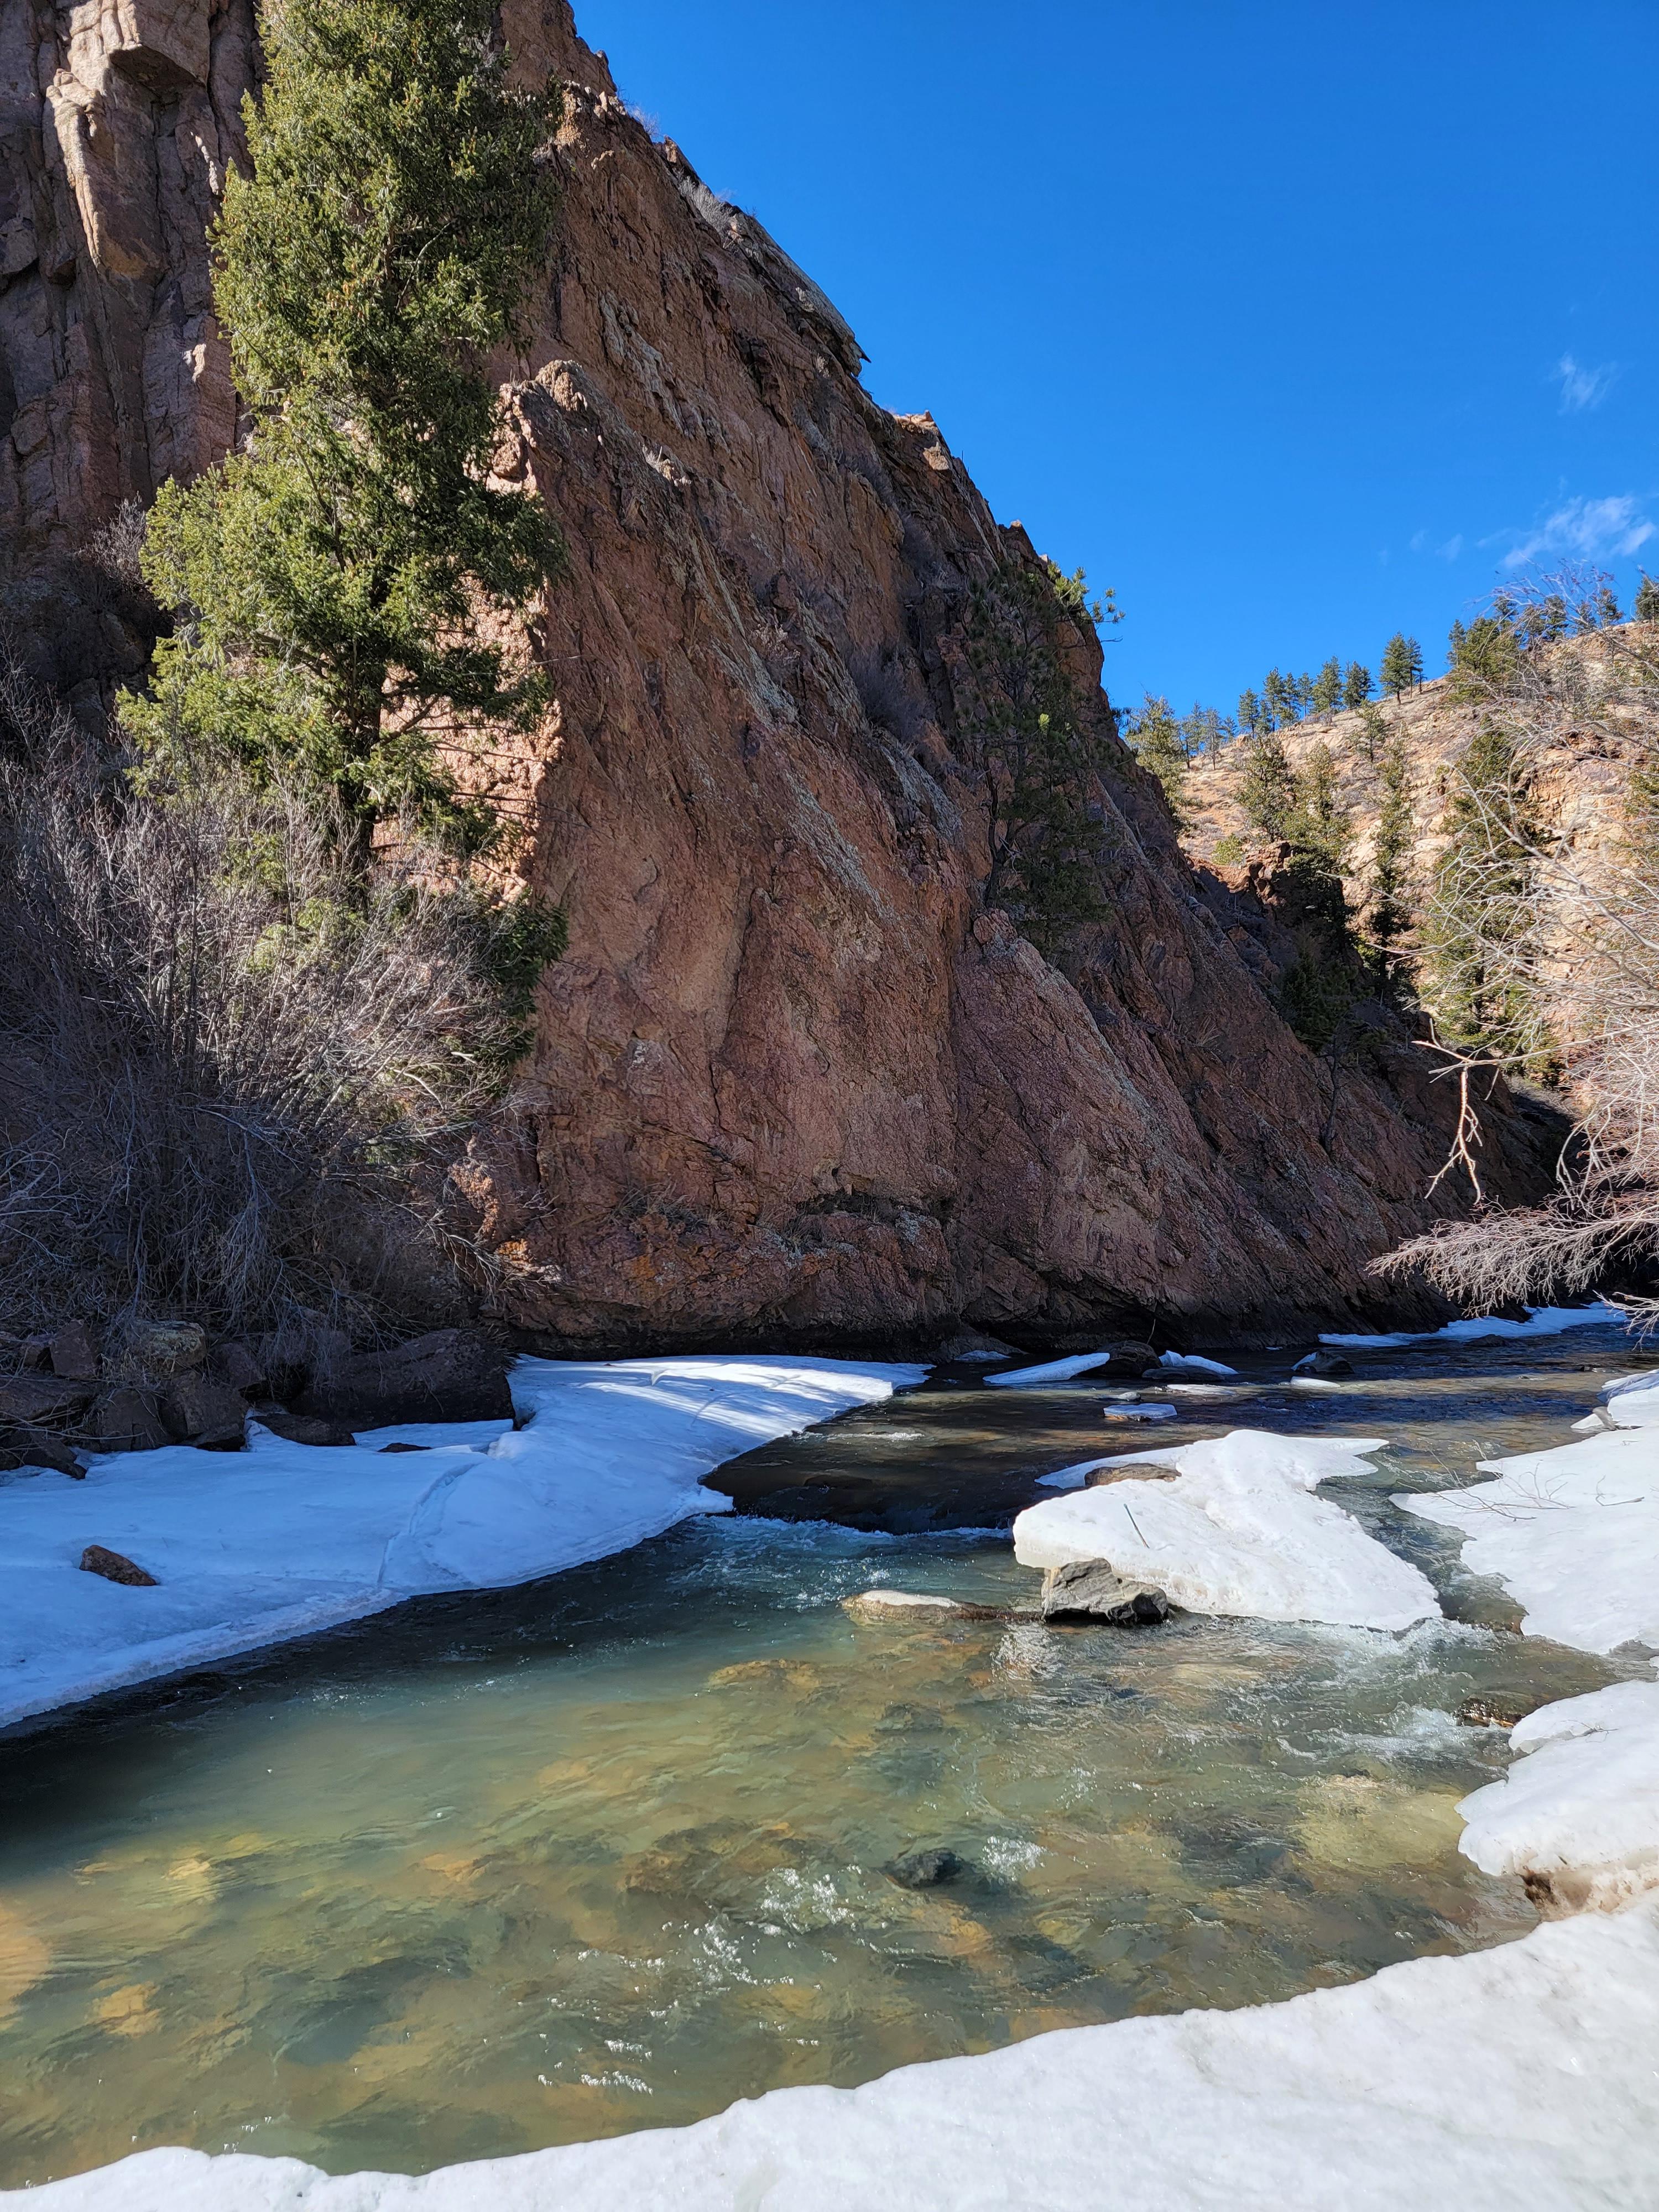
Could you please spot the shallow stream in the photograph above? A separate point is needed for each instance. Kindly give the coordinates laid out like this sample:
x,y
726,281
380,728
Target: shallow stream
x,y
610,1852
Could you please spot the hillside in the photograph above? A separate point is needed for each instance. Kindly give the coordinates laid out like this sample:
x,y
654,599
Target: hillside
x,y
795,1079
1599,733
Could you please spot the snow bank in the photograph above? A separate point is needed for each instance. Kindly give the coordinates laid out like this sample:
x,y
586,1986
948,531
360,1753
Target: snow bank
x,y
1507,2081
1573,1534
1237,1532
1580,1811
256,1547
1542,1321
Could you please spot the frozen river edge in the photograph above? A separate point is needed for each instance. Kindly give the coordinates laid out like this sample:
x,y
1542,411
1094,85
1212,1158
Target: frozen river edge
x,y
1518,2077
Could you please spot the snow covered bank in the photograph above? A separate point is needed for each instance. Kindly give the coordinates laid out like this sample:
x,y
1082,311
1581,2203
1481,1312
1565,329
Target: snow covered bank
x,y
1237,1532
1542,1321
256,1547
1573,1534
1508,2080
1578,1815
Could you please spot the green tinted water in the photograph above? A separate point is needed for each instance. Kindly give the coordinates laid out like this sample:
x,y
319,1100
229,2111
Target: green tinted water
x,y
609,1853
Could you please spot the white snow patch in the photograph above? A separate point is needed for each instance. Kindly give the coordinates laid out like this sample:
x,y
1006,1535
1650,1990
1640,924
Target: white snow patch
x,y
256,1547
1580,1808
1238,1533
1193,1364
1542,1321
1573,1534
1157,1411
1521,2076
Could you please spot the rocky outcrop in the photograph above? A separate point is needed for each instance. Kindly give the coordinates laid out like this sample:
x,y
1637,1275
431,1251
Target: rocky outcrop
x,y
793,1081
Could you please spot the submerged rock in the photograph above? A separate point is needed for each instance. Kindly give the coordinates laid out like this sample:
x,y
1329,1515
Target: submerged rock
x,y
1496,1709
1323,1363
928,1869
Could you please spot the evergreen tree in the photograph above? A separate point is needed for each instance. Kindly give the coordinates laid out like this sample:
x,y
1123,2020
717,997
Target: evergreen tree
x,y
1373,732
1268,791
1478,911
1275,700
1647,599
1157,741
1327,688
1321,827
1486,661
1553,617
1414,661
1356,685
1390,911
332,583
1397,664
1249,711
1606,605
1455,644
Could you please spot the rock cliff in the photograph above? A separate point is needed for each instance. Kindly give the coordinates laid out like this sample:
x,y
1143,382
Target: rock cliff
x,y
793,1081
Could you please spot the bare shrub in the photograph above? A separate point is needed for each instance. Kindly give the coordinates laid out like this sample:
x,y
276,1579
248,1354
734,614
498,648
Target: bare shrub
x,y
232,1073
1567,946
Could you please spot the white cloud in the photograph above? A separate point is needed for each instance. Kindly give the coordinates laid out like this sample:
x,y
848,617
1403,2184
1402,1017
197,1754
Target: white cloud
x,y
1583,388
1611,528
1451,548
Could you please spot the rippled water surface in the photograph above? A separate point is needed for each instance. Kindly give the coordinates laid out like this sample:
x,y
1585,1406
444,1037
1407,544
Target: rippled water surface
x,y
609,1853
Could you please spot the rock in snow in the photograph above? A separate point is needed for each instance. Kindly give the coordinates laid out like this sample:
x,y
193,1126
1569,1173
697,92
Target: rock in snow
x,y
285,1538
1238,1533
1515,2080
1573,1532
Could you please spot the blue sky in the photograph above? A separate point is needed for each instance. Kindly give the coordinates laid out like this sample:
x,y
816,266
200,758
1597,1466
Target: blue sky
x,y
1294,322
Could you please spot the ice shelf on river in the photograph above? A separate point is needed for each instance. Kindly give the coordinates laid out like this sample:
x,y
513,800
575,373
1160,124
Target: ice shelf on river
x,y
1573,1532
1237,1532
1542,1321
1519,2077
1578,1814
256,1547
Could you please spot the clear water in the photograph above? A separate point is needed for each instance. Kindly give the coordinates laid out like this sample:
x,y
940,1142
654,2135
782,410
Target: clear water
x,y
608,1852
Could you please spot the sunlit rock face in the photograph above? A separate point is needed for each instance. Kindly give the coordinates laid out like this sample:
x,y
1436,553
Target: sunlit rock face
x,y
791,1083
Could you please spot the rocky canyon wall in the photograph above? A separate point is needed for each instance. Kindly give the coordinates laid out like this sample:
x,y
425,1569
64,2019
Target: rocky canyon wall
x,y
793,1081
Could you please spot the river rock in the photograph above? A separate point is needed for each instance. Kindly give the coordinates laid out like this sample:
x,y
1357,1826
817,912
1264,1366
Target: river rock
x,y
237,1367
125,1419
115,1567
1324,1364
450,1374
208,1414
37,1448
167,1347
317,1429
31,1400
928,1869
72,1352
1090,1590
1496,1709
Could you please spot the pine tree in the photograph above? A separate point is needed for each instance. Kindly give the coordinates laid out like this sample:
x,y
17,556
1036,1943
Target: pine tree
x,y
1397,664
1157,741
1414,661
1321,827
1607,607
1268,792
332,583
1487,660
1455,644
1356,685
1477,918
1327,688
1391,912
1275,702
1249,711
1373,732
1647,599
1552,618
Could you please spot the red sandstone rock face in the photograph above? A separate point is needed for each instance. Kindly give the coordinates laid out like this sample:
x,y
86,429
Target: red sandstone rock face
x,y
791,1083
